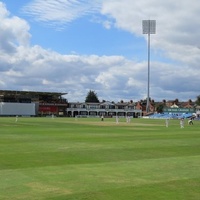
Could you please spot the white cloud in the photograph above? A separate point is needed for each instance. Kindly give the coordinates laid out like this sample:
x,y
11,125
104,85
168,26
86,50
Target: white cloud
x,y
13,31
60,12
177,27
25,67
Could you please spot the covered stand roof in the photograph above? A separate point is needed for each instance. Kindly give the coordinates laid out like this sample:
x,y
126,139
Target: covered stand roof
x,y
31,93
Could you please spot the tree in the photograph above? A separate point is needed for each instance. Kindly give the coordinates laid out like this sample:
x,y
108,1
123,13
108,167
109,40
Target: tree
x,y
176,101
164,101
198,100
92,97
160,108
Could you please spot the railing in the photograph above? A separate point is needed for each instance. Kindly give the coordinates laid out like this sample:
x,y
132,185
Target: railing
x,y
103,110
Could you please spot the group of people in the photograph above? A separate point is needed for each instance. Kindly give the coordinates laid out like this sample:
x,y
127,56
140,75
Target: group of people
x,y
190,122
128,119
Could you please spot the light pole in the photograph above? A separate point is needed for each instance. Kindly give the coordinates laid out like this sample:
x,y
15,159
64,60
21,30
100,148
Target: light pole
x,y
149,27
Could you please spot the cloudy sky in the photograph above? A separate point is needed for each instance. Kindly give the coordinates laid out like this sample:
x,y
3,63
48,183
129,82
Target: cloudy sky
x,y
74,46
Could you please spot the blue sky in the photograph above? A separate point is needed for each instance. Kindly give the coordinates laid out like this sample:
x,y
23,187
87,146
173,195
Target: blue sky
x,y
81,36
74,46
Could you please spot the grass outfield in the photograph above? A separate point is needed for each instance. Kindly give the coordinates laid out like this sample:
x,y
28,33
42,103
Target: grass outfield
x,y
87,159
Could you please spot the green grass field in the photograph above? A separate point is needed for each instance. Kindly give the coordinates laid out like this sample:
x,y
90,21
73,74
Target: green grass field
x,y
87,159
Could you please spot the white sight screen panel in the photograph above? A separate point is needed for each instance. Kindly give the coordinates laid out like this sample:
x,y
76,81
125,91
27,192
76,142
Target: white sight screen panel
x,y
17,109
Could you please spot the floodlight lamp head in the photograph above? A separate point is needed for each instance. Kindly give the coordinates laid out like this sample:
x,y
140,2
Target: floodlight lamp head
x,y
149,26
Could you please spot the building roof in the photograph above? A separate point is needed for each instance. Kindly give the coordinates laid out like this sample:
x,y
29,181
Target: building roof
x,y
31,93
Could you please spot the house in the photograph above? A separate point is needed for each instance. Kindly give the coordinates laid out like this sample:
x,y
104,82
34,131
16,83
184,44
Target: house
x,y
141,105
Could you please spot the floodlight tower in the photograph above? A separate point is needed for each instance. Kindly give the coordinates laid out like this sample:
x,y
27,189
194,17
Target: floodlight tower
x,y
149,27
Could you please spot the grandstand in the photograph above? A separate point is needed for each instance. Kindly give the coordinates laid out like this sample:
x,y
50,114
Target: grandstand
x,y
171,115
30,103
174,113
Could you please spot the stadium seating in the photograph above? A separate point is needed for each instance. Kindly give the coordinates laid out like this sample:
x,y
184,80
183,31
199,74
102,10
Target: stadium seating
x,y
170,115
